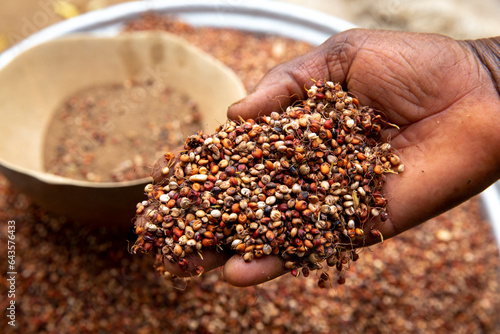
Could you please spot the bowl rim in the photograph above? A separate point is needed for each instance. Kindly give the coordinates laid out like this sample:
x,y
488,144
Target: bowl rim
x,y
109,21
53,179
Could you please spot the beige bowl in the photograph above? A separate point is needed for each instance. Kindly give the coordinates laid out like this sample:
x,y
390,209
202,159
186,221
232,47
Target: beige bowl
x,y
36,82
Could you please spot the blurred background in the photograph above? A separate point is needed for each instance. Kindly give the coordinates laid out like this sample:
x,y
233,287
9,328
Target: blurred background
x,y
456,18
443,277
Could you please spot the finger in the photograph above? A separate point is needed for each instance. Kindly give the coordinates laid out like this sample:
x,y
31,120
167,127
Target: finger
x,y
157,172
276,90
240,273
164,167
209,259
285,83
162,171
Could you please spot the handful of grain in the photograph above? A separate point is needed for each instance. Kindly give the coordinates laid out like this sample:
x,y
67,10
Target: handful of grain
x,y
301,185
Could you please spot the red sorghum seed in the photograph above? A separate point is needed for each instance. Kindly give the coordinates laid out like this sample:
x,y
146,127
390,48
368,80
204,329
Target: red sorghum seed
x,y
274,189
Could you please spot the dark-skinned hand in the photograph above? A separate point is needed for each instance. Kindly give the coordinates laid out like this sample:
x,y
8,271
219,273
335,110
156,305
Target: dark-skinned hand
x,y
440,92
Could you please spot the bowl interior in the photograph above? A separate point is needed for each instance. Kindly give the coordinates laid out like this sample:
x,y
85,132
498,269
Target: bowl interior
x,y
34,84
37,81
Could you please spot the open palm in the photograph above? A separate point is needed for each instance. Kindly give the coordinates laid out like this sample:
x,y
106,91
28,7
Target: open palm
x,y
432,87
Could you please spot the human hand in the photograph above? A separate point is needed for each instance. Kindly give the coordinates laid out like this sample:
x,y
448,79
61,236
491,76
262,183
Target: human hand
x,y
435,89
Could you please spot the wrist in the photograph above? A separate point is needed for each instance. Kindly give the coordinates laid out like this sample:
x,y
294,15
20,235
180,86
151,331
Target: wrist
x,y
487,51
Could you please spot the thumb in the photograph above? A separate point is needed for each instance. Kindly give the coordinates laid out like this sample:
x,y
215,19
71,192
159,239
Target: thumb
x,y
273,93
284,84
